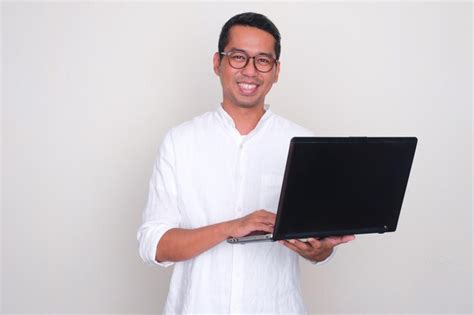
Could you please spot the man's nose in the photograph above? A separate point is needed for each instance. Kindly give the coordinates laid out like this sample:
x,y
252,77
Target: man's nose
x,y
250,69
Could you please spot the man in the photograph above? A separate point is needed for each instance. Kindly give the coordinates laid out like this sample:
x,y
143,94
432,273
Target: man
x,y
219,176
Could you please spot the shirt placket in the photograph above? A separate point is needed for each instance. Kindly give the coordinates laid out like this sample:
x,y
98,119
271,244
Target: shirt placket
x,y
237,257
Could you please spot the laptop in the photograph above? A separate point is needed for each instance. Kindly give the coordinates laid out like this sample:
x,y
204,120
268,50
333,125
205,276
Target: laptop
x,y
340,186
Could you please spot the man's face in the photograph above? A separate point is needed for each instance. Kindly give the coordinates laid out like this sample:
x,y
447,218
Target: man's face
x,y
246,87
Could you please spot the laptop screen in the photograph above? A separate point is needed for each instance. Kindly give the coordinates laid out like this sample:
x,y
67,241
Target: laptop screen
x,y
337,186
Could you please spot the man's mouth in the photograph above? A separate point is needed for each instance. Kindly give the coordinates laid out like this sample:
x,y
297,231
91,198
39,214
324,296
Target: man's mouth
x,y
247,88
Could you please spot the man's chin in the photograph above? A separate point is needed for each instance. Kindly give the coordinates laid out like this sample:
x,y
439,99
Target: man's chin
x,y
248,104
245,105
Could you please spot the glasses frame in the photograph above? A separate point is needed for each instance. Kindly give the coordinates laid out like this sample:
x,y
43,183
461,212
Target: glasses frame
x,y
228,53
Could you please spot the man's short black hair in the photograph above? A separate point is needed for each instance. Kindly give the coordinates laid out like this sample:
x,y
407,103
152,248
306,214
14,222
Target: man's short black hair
x,y
252,19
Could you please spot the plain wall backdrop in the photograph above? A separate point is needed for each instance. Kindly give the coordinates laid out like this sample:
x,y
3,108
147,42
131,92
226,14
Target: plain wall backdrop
x,y
90,88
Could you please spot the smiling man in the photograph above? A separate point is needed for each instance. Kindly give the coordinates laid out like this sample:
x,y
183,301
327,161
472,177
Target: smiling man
x,y
219,176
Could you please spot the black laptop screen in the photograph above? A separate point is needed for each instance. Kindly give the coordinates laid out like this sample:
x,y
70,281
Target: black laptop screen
x,y
336,186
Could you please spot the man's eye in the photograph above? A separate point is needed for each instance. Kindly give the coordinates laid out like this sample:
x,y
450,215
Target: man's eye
x,y
263,60
239,57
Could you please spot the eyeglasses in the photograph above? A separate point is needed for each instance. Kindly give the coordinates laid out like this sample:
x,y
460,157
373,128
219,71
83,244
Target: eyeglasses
x,y
239,59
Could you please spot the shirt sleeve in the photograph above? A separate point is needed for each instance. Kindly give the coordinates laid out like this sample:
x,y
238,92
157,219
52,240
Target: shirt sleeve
x,y
161,212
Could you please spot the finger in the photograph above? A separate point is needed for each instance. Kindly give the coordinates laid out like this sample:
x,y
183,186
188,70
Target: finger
x,y
261,227
300,245
268,217
263,216
337,240
348,238
332,241
265,220
291,246
316,244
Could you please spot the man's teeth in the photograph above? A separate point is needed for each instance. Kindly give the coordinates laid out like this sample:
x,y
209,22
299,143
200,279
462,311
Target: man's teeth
x,y
247,86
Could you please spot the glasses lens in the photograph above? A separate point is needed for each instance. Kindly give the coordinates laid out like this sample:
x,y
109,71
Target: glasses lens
x,y
238,59
264,63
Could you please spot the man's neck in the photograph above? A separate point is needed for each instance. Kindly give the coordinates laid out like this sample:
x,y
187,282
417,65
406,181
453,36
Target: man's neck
x,y
245,119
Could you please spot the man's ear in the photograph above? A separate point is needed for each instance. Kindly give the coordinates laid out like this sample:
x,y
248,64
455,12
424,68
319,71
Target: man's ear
x,y
216,61
277,72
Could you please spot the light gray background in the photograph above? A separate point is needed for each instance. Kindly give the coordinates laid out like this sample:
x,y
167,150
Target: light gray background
x,y
89,90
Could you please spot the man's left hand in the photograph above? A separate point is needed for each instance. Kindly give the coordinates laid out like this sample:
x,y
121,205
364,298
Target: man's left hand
x,y
317,250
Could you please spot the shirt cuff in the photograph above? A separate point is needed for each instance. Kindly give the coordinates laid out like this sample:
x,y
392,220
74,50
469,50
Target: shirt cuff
x,y
149,238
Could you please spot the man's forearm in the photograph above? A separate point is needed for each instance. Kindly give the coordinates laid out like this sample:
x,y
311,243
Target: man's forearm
x,y
182,244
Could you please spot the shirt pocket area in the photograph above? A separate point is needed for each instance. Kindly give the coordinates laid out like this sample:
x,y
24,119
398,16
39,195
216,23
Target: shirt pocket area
x,y
270,189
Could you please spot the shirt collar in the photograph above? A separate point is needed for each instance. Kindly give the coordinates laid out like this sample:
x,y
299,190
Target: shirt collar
x,y
230,122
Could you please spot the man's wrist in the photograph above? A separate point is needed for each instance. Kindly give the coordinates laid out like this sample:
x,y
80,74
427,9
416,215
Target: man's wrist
x,y
224,229
322,262
323,256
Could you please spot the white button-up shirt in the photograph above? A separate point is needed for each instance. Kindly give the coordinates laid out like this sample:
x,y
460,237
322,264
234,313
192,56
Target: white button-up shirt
x,y
207,173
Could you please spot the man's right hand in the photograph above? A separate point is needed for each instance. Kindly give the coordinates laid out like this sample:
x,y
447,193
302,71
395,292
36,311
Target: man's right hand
x,y
179,244
259,220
